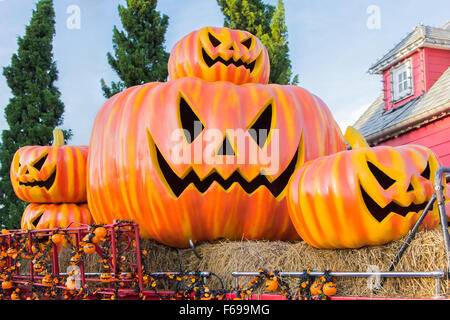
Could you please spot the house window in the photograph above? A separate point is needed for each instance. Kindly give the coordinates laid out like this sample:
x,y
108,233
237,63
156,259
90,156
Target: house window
x,y
402,82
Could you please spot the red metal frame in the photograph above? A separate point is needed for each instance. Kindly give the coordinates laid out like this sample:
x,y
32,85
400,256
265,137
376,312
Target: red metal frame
x,y
30,279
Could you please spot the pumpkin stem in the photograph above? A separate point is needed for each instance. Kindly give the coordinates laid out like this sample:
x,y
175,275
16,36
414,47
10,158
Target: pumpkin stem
x,y
58,138
355,139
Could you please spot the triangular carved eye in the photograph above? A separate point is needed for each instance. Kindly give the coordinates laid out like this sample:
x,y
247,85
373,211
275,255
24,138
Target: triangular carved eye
x,y
38,165
427,172
214,41
247,43
383,179
260,129
189,121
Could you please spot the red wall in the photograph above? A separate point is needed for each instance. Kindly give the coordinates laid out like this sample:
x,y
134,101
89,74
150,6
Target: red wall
x,y
435,136
436,62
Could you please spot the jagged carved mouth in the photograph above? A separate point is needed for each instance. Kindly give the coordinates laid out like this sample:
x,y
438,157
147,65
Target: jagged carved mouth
x,y
178,185
380,213
210,61
47,184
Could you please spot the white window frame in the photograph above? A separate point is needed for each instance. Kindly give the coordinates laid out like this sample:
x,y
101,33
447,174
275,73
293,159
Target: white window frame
x,y
402,81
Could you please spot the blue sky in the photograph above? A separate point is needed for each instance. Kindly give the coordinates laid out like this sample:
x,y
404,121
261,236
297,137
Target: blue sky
x,y
331,47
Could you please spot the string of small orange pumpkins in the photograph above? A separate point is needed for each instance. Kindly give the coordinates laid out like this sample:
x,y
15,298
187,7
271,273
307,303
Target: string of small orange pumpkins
x,y
190,284
309,287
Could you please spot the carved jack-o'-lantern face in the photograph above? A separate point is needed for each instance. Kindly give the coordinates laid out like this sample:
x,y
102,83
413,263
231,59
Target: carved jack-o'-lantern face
x,y
394,185
174,201
50,174
365,196
215,54
227,148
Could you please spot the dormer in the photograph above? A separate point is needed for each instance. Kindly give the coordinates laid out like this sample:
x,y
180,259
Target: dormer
x,y
412,67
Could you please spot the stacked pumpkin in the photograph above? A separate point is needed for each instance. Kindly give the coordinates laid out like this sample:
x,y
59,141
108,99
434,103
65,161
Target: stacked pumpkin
x,y
53,180
218,85
162,155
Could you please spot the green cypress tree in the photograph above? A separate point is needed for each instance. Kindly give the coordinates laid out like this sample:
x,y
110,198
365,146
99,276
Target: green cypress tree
x,y
249,15
139,53
35,108
268,24
278,46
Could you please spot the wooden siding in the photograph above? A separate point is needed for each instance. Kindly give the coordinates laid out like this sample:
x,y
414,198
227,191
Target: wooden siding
x,y
435,136
436,62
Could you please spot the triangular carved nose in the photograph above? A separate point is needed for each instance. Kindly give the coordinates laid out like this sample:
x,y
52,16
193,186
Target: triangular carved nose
x,y
233,47
226,148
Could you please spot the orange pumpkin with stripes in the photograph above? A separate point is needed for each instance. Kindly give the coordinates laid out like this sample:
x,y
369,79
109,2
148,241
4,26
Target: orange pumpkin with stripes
x,y
365,196
50,174
220,54
213,191
48,216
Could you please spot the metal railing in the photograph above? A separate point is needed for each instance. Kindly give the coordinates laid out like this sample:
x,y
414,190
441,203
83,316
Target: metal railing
x,y
438,197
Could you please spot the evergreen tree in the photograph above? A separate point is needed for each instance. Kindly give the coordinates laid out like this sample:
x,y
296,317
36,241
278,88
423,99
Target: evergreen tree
x,y
268,24
250,15
35,108
139,54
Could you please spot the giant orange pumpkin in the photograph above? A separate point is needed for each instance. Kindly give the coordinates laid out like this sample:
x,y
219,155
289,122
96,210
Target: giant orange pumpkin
x,y
50,174
215,54
132,174
365,196
49,216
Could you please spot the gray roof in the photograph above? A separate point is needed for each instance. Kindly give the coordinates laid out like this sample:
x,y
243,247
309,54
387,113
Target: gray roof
x,y
378,125
421,36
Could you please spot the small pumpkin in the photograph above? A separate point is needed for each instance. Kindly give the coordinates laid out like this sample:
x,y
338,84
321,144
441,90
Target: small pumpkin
x,y
75,259
7,284
11,252
50,174
50,216
59,239
316,288
15,295
100,232
329,289
145,280
89,248
106,277
38,267
272,284
220,54
47,280
365,196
